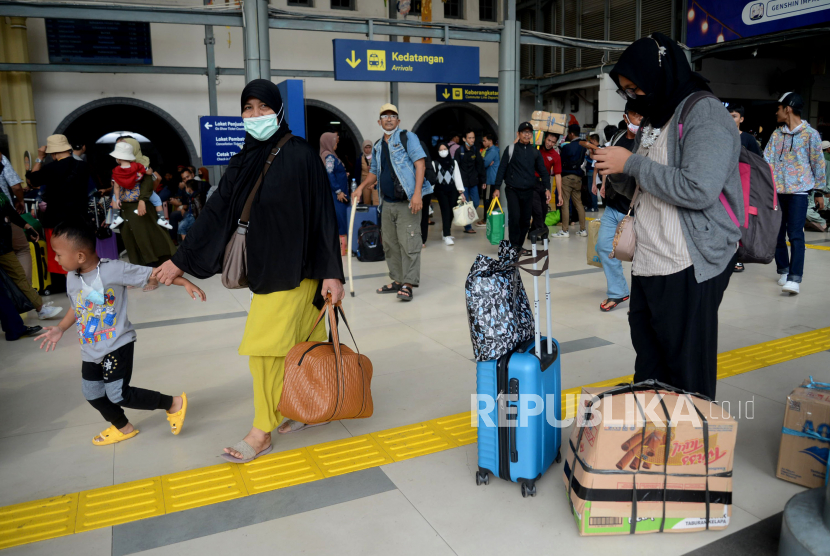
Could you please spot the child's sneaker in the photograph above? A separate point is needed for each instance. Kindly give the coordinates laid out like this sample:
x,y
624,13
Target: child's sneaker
x,y
117,221
48,311
162,221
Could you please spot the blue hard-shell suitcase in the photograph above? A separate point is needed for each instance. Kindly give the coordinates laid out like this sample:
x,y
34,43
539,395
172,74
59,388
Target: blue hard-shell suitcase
x,y
525,440
363,213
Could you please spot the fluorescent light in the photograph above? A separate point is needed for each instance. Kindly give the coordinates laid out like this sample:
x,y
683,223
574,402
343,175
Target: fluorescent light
x,y
334,123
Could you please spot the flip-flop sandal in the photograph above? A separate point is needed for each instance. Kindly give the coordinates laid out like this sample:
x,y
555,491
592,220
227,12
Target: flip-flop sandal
x,y
247,451
386,289
402,296
300,426
615,301
526,253
112,435
177,419
470,231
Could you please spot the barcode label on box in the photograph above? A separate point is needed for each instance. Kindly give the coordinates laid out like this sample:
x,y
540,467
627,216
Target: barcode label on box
x,y
605,521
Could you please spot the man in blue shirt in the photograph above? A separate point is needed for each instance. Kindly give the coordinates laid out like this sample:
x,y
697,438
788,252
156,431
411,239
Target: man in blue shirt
x,y
398,164
491,167
573,156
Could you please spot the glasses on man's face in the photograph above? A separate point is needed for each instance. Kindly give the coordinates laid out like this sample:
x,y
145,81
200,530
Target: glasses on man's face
x,y
386,117
626,94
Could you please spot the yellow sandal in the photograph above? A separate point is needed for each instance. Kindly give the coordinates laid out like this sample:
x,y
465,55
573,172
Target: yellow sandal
x,y
112,435
177,419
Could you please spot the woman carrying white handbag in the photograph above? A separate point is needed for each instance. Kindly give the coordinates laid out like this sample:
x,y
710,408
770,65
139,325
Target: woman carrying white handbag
x,y
448,189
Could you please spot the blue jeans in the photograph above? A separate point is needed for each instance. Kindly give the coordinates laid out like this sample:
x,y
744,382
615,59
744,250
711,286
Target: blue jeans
x,y
472,194
614,275
794,214
186,223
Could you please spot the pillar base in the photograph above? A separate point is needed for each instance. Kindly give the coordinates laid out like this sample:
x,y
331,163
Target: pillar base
x,y
803,532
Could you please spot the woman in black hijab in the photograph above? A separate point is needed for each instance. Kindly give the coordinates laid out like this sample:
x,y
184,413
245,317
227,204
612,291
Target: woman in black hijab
x,y
685,163
292,246
448,188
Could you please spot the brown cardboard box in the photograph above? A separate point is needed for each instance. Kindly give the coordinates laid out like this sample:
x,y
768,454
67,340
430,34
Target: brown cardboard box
x,y
617,452
548,121
803,460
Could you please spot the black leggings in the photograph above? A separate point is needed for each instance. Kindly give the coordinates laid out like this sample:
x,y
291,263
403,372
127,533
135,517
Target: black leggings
x,y
106,386
425,218
447,198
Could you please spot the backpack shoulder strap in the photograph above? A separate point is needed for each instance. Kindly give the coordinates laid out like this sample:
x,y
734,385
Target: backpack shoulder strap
x,y
617,137
404,139
510,152
693,99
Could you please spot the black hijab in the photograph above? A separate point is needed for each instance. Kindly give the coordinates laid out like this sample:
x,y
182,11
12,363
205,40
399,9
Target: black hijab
x,y
447,162
658,66
292,234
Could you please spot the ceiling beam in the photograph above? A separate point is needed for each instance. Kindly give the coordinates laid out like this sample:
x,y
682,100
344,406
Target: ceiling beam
x,y
60,10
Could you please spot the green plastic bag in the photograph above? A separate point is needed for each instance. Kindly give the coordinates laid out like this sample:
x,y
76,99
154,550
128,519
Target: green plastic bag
x,y
553,218
495,223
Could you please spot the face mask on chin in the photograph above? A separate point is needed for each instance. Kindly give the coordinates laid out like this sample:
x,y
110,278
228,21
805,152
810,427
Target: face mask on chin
x,y
391,131
631,127
262,128
443,154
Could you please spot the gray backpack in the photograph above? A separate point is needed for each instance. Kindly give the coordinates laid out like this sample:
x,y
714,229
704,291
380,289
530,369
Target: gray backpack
x,y
762,217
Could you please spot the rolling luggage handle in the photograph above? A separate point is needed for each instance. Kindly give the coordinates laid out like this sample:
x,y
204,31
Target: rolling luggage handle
x,y
535,236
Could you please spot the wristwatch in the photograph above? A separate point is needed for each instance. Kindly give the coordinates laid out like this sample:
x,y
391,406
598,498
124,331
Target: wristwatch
x,y
38,161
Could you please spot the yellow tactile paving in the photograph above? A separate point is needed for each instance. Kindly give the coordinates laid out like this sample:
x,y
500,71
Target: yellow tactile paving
x,y
201,487
279,470
819,247
348,455
411,441
458,427
38,520
58,516
116,504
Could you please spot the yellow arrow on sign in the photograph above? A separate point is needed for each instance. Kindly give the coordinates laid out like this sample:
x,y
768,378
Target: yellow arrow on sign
x,y
446,94
353,62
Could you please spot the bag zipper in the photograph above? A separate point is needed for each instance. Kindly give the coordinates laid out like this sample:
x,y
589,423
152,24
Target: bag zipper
x,y
504,431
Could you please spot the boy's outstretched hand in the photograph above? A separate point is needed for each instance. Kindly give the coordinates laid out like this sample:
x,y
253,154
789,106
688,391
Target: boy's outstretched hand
x,y
50,337
194,291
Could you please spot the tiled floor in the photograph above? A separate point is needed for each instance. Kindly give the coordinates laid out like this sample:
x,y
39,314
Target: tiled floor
x,y
423,369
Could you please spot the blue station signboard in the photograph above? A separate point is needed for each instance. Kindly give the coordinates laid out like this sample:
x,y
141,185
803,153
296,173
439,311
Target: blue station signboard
x,y
405,62
221,138
466,93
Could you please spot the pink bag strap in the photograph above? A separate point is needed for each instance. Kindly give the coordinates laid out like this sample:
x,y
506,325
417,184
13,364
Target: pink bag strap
x,y
729,210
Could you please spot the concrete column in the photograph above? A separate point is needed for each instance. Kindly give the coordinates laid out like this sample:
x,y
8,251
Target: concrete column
x,y
393,85
508,78
611,106
257,45
18,109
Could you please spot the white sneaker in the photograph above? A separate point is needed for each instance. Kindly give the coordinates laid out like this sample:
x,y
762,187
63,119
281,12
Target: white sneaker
x,y
791,288
164,223
561,233
582,233
48,311
117,222
782,279
448,240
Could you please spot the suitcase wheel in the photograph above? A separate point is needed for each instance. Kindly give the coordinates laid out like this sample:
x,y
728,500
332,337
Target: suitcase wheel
x,y
482,478
558,457
47,292
528,489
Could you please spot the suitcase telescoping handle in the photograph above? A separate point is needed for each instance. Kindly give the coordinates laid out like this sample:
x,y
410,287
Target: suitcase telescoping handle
x,y
536,236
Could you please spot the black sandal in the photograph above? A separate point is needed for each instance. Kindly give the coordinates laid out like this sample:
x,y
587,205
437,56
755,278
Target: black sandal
x,y
606,305
405,293
739,267
394,289
526,253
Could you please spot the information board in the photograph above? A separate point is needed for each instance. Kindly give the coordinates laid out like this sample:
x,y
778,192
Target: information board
x,y
466,93
221,138
75,41
405,62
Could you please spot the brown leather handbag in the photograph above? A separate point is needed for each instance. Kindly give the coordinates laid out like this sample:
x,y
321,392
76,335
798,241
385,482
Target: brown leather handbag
x,y
235,263
326,381
625,239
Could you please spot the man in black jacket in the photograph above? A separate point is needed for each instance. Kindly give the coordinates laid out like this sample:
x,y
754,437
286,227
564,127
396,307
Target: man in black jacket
x,y
518,168
473,174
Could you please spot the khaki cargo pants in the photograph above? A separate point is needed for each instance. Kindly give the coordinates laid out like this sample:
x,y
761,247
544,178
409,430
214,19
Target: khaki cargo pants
x,y
401,232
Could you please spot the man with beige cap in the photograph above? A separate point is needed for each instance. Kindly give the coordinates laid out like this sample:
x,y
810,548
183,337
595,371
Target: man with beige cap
x,y
398,165
64,184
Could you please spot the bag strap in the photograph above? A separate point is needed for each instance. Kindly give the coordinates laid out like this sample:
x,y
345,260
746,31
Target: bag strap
x,y
493,204
246,211
525,263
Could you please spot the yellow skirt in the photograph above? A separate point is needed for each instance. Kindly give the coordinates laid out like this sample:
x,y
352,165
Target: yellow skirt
x,y
278,321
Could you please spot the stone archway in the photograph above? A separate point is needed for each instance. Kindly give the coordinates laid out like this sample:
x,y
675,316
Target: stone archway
x,y
133,102
346,124
476,112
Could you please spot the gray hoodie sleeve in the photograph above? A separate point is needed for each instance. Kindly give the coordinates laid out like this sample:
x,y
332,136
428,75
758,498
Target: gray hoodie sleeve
x,y
710,150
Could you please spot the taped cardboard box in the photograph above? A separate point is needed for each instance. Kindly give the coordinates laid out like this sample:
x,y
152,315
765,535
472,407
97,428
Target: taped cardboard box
x,y
548,121
617,455
805,438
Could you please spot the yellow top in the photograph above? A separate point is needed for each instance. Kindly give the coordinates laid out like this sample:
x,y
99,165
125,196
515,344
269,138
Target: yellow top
x,y
278,321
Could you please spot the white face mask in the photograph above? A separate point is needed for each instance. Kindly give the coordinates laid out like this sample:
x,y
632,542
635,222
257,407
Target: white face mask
x,y
390,132
631,127
95,292
443,153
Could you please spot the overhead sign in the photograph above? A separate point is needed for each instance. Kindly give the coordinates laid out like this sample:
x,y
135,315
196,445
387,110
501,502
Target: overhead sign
x,y
293,99
714,21
466,93
76,41
221,138
405,62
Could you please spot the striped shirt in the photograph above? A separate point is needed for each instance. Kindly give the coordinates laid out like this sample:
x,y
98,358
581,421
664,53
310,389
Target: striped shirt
x,y
661,246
